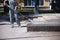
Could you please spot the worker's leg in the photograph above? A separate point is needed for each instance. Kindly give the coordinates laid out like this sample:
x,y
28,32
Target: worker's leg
x,y
11,17
17,19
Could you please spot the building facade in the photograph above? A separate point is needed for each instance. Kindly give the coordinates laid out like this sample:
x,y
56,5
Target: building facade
x,y
31,3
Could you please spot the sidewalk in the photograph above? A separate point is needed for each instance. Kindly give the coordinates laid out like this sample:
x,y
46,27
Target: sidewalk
x,y
20,33
17,33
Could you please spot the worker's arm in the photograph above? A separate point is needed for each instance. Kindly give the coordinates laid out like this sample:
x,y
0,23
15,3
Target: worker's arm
x,y
17,4
4,2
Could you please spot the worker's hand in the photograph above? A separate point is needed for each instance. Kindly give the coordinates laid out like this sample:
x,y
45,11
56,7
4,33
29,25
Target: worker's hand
x,y
15,8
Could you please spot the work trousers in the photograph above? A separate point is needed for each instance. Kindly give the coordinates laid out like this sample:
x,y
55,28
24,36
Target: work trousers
x,y
13,14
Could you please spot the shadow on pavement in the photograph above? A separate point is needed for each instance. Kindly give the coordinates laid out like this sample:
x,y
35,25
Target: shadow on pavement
x,y
4,18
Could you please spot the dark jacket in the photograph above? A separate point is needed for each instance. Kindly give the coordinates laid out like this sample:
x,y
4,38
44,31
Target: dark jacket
x,y
6,9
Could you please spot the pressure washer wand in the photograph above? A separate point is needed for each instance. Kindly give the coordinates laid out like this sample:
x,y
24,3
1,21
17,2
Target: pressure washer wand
x,y
27,18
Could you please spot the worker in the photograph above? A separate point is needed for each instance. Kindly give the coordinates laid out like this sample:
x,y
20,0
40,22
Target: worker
x,y
12,14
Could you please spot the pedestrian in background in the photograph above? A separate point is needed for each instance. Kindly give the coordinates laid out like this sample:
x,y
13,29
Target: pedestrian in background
x,y
51,4
6,9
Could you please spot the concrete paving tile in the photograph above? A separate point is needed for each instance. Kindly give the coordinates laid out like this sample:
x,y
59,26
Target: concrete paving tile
x,y
20,33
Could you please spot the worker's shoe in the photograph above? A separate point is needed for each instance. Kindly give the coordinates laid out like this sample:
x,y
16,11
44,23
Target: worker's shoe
x,y
19,26
12,26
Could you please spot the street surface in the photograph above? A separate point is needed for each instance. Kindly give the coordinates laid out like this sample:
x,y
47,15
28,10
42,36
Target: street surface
x,y
20,33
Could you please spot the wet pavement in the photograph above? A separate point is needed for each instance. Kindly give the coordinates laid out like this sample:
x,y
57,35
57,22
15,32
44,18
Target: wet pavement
x,y
20,33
